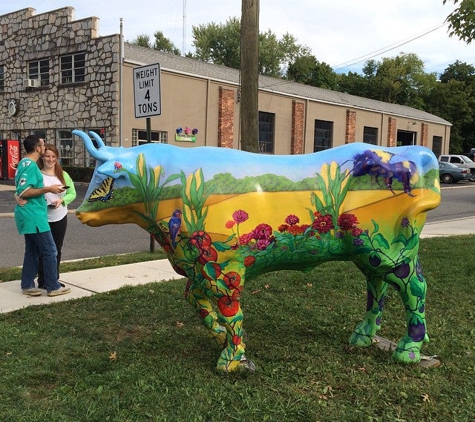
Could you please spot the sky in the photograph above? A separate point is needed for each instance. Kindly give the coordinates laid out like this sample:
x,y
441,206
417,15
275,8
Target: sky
x,y
342,33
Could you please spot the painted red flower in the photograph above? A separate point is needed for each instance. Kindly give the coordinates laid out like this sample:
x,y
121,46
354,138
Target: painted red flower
x,y
262,231
245,238
230,224
117,166
262,244
232,279
283,227
323,223
200,239
356,232
295,230
240,216
207,254
292,219
347,221
236,340
249,260
227,306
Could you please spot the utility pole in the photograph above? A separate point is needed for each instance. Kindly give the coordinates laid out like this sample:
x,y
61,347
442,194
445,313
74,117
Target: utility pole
x,y
249,75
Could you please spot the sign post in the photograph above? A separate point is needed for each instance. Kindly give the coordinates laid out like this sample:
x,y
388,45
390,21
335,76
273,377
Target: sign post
x,y
147,101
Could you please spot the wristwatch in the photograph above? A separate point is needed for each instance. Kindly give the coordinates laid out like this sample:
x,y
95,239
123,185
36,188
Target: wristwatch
x,y
12,108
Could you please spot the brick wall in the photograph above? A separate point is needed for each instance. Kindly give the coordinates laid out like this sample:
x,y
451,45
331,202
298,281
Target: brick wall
x,y
297,140
350,132
226,118
424,134
392,132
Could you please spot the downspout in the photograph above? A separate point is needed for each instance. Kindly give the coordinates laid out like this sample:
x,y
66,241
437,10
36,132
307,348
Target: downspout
x,y
121,62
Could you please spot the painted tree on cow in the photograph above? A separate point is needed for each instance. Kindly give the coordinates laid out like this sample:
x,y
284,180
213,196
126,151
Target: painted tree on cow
x,y
225,217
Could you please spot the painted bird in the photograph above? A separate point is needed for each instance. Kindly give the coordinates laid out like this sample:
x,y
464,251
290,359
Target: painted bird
x,y
174,226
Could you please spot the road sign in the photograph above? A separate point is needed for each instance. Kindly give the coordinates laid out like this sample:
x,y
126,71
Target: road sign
x,y
147,100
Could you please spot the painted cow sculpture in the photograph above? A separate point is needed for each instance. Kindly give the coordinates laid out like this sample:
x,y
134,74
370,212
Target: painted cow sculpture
x,y
225,216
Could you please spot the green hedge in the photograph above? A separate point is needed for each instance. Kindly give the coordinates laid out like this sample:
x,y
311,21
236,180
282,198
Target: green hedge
x,y
80,174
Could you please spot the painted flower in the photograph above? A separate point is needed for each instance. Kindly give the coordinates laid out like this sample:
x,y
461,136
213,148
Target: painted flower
x,y
200,239
179,130
295,230
187,130
356,232
204,313
405,222
232,279
347,221
358,242
323,223
262,244
207,254
292,219
230,224
245,238
249,260
236,340
194,131
240,216
227,306
117,166
262,231
283,227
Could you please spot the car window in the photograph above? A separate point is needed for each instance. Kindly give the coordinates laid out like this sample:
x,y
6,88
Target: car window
x,y
444,158
455,160
466,159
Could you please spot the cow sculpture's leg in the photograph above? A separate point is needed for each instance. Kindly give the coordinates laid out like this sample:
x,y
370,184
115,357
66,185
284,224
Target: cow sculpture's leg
x,y
408,280
371,324
198,299
411,287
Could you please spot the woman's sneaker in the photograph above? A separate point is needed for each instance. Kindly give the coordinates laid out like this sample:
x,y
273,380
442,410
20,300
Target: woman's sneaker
x,y
59,292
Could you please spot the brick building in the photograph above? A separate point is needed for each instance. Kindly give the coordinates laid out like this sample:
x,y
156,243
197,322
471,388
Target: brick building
x,y
58,74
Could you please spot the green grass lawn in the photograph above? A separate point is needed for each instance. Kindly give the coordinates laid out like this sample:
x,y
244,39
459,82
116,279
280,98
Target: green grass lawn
x,y
140,353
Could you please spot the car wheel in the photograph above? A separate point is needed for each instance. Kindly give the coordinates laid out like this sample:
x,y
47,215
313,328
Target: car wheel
x,y
447,178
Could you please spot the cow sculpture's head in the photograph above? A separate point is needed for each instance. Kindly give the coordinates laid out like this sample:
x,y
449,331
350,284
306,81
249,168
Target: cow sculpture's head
x,y
115,166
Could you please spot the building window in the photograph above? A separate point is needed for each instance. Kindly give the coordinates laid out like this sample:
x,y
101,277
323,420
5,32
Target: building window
x,y
370,135
2,79
65,146
437,145
139,137
73,68
39,70
266,132
323,136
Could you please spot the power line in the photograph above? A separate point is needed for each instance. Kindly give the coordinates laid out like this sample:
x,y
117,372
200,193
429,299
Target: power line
x,y
385,49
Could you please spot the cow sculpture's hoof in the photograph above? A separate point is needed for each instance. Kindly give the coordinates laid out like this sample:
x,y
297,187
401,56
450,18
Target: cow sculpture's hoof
x,y
409,351
238,365
361,340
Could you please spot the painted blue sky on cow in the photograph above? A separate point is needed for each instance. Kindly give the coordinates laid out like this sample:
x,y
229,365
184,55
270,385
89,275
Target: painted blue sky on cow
x,y
240,164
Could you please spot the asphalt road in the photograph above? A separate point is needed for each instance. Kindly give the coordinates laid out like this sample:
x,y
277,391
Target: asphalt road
x,y
458,201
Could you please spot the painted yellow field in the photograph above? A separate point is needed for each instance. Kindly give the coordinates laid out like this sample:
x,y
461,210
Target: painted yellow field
x,y
386,208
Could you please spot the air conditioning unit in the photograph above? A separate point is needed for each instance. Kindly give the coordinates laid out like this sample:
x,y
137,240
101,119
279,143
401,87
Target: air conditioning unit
x,y
31,83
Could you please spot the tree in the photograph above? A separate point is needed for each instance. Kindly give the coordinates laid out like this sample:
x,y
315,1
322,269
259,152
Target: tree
x,y
462,20
164,44
221,44
309,71
453,99
161,43
142,41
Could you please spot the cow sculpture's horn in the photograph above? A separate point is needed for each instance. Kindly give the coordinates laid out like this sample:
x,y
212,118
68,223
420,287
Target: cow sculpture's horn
x,y
100,153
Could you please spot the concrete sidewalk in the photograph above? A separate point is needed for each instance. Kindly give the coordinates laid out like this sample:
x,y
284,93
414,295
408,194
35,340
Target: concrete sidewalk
x,y
88,282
